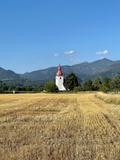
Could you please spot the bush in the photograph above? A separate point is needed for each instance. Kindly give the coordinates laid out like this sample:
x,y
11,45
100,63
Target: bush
x,y
50,87
103,88
77,89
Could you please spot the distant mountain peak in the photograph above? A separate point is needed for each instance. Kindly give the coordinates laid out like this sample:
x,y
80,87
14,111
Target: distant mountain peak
x,y
106,59
103,68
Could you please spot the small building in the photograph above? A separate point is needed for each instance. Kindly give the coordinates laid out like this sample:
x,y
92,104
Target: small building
x,y
13,91
60,79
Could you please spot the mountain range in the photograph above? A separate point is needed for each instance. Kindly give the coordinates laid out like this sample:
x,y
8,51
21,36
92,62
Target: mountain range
x,y
84,71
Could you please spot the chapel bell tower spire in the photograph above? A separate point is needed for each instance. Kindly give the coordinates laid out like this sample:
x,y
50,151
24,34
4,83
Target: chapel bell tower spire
x,y
60,79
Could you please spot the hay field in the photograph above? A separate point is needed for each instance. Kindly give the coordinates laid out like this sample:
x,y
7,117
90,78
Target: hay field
x,y
58,127
109,98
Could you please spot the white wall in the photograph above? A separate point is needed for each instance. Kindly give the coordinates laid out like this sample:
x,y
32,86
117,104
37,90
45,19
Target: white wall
x,y
59,83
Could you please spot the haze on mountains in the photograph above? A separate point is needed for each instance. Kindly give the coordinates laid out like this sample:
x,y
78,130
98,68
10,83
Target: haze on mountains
x,y
84,71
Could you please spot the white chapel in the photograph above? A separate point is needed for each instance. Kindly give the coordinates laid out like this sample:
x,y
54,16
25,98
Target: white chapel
x,y
60,79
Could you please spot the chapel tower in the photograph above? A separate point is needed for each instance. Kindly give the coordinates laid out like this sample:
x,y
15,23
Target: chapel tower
x,y
60,79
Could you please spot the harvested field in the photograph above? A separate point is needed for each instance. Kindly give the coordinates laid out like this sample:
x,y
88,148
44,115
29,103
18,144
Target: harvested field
x,y
58,127
109,98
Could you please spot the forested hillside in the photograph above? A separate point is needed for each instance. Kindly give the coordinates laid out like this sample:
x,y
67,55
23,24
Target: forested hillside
x,y
84,71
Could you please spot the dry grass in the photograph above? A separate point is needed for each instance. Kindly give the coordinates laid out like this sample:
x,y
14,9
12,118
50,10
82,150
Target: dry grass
x,y
58,127
109,98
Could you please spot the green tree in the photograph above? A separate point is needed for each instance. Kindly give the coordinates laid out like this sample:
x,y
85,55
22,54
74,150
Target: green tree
x,y
71,81
116,83
1,89
96,84
11,88
17,88
90,86
38,88
84,86
107,82
103,88
77,89
29,88
50,87
106,85
87,86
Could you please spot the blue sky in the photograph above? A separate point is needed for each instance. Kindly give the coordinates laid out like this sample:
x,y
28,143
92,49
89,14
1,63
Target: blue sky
x,y
37,34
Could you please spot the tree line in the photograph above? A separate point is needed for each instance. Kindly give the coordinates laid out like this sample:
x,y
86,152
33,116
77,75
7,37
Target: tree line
x,y
71,84
5,88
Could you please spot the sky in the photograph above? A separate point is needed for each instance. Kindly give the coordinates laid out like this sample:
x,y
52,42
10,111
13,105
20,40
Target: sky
x,y
37,34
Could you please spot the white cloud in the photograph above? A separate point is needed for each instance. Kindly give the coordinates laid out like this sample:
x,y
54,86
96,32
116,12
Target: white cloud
x,y
56,55
103,52
77,60
70,52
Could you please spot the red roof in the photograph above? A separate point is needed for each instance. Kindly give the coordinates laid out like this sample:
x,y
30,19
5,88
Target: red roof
x,y
59,72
